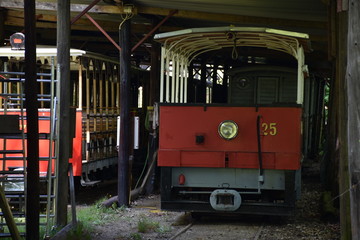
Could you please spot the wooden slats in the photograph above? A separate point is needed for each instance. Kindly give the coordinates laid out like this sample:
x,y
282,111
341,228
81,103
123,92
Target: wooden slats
x,y
101,110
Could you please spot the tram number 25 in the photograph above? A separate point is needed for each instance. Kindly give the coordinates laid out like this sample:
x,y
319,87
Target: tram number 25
x,y
269,129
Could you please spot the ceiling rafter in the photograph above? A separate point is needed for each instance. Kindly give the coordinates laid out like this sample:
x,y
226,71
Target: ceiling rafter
x,y
231,18
16,18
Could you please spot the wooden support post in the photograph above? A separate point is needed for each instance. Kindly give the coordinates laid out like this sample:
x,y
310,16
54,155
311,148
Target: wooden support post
x,y
124,148
154,74
63,70
340,141
353,127
2,26
33,186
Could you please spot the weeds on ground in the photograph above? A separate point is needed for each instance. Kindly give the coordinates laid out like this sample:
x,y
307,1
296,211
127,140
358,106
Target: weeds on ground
x,y
146,225
97,214
79,232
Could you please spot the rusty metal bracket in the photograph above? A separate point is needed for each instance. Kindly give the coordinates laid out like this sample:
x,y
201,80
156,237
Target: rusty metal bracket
x,y
103,31
84,11
171,13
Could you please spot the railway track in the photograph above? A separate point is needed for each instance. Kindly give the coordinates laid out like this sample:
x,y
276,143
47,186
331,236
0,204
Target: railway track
x,y
306,224
220,228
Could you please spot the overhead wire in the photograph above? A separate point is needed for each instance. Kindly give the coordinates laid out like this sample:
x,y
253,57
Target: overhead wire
x,y
234,53
128,14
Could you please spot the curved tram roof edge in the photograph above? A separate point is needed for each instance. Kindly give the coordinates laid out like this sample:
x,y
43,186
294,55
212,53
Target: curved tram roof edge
x,y
51,51
231,29
219,37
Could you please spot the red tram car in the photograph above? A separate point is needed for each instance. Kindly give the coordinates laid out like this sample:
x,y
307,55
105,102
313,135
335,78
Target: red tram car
x,y
231,119
94,101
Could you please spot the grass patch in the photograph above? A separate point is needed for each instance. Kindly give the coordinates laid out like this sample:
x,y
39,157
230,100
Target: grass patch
x,y
97,214
79,232
90,216
147,225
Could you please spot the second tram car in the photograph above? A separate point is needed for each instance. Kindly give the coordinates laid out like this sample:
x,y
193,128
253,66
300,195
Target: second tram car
x,y
231,119
94,94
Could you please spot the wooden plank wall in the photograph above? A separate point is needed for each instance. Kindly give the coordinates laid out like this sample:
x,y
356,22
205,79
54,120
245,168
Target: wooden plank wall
x,y
99,93
353,117
344,130
337,174
341,139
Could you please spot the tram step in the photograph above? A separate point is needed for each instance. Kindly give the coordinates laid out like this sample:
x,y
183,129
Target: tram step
x,y
9,95
19,135
11,151
20,194
14,79
12,158
23,99
23,74
11,80
40,118
15,214
12,172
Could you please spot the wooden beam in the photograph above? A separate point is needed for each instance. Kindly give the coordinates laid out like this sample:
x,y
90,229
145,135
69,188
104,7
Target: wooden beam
x,y
65,140
51,6
16,18
231,18
32,177
154,91
215,17
125,123
2,26
341,138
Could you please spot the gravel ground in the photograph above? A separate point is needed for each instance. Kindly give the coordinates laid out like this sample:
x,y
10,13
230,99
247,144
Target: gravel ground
x,y
307,222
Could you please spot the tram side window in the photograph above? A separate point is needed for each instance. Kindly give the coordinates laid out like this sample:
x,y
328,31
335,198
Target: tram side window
x,y
74,83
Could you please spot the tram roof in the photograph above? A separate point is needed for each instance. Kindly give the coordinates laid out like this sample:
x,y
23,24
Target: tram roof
x,y
51,51
231,29
41,51
220,37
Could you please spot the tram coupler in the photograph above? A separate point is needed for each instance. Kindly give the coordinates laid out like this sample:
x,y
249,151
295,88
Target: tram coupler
x,y
225,200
